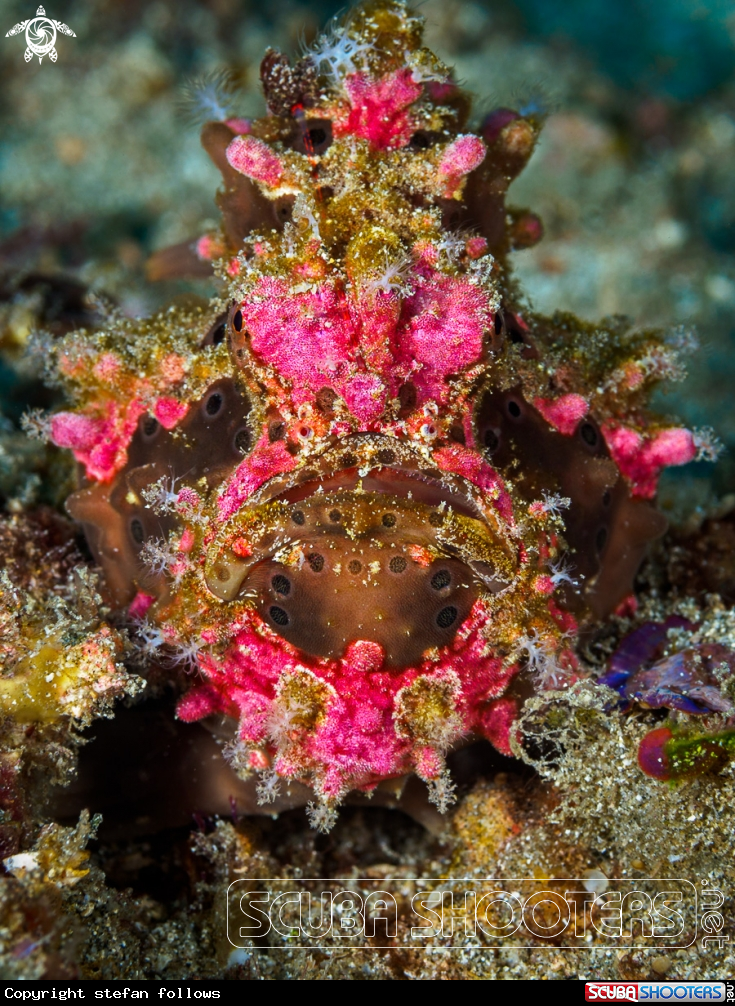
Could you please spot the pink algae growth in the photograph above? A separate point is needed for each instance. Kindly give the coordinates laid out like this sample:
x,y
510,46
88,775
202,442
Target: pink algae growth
x,y
461,157
564,413
253,158
169,412
379,110
642,458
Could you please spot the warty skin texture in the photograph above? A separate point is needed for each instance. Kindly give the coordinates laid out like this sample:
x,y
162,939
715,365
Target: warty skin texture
x,y
369,499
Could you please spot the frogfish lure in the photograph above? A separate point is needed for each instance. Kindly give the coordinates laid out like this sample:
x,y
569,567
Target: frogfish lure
x,y
368,499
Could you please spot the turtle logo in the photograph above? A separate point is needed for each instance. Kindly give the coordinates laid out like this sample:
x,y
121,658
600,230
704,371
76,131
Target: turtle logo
x,y
40,35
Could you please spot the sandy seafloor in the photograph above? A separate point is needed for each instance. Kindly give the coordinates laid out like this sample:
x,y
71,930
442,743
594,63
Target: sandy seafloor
x,y
100,164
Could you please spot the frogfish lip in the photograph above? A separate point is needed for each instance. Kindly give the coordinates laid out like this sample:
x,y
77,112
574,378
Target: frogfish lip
x,y
367,542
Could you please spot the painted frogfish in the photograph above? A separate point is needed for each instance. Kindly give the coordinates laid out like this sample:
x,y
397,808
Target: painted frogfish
x,y
366,496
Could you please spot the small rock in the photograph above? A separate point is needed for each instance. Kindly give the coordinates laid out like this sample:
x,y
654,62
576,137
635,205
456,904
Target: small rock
x,y
595,881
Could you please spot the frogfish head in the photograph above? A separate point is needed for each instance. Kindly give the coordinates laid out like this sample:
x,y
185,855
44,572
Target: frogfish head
x,y
367,497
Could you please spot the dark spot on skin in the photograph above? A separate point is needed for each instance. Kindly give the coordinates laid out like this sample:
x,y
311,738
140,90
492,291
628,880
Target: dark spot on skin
x,y
436,519
242,441
601,539
407,398
355,566
298,517
237,321
492,441
276,431
318,137
281,584
446,617
213,405
325,399
606,497
216,334
420,141
335,516
386,457
137,532
348,460
441,579
458,435
589,434
514,333
316,561
222,574
514,409
397,564
150,426
279,616
389,520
